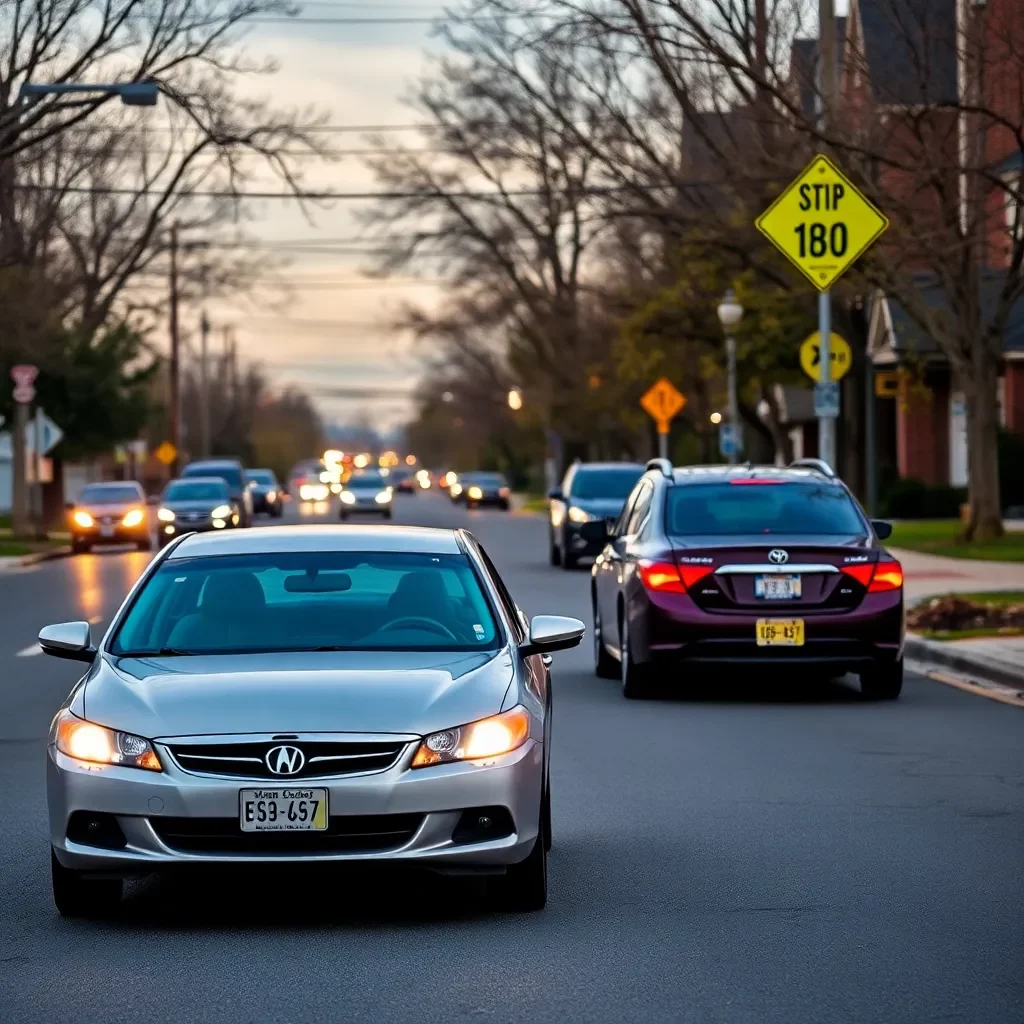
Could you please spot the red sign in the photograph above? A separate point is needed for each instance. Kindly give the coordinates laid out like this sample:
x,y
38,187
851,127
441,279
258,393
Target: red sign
x,y
24,376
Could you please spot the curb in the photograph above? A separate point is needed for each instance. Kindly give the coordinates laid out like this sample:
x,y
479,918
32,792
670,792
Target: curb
x,y
933,653
46,556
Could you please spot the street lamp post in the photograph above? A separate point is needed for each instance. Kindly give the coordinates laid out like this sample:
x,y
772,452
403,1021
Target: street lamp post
x,y
730,313
133,94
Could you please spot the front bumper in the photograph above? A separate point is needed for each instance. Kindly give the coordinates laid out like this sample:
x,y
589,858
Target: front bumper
x,y
436,797
365,508
114,534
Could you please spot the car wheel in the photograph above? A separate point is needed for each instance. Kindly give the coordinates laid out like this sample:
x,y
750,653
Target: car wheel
x,y
144,545
80,547
343,516
636,679
555,554
884,682
388,514
545,812
605,666
524,887
77,896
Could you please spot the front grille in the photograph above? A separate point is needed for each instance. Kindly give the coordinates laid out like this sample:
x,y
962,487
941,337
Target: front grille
x,y
321,759
344,834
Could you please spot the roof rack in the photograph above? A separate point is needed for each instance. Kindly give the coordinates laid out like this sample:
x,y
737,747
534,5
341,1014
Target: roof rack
x,y
818,465
660,464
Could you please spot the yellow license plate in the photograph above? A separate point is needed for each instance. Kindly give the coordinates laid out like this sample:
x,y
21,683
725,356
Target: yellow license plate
x,y
780,632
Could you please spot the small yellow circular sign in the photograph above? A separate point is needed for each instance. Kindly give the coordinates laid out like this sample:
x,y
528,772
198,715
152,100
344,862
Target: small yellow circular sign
x,y
841,353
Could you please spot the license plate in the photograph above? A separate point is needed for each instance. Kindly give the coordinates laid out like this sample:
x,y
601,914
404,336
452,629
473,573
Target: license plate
x,y
106,531
777,588
282,810
780,632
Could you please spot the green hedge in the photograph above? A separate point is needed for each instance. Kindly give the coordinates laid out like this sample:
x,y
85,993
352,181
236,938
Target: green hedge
x,y
914,499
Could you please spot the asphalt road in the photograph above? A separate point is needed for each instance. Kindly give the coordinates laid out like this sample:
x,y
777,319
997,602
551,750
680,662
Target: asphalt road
x,y
750,852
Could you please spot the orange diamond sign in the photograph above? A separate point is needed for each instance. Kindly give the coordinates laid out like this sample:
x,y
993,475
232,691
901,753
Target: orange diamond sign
x,y
166,453
663,402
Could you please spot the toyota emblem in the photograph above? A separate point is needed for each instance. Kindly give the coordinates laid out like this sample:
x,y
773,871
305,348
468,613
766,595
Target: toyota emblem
x,y
778,557
285,760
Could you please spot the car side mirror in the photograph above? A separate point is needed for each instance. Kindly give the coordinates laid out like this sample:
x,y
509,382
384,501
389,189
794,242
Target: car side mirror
x,y
597,531
556,495
69,640
549,633
882,528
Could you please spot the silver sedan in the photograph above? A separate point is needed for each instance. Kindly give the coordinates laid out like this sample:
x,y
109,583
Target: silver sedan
x,y
307,694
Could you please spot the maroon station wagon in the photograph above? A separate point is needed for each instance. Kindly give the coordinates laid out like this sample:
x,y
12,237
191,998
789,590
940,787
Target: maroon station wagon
x,y
745,566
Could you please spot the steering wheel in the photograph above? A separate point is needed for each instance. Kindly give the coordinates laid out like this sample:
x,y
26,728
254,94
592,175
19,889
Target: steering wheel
x,y
420,622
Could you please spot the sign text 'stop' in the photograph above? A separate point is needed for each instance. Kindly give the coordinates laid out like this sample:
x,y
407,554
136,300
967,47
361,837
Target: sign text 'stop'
x,y
822,223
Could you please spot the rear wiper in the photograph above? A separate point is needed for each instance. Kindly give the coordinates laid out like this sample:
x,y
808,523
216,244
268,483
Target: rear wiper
x,y
160,652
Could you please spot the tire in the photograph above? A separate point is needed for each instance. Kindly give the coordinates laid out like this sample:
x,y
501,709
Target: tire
x,y
388,514
885,682
570,562
636,679
80,547
145,545
524,887
555,555
343,516
605,666
78,896
545,812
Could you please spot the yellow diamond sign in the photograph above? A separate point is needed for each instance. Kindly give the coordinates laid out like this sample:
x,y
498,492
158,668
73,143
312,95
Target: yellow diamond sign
x,y
166,453
822,223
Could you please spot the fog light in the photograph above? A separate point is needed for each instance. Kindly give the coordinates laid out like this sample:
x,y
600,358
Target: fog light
x,y
219,524
168,530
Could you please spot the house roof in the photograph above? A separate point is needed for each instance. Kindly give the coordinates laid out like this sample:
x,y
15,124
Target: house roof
x,y
910,48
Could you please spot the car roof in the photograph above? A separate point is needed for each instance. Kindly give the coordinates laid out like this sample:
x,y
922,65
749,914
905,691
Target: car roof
x,y
282,539
214,462
113,483
718,474
582,466
218,480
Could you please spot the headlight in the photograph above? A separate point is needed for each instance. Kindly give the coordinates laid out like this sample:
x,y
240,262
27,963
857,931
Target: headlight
x,y
84,520
348,498
503,492
221,512
165,515
271,495
456,490
577,515
88,742
478,741
134,517
475,493
383,497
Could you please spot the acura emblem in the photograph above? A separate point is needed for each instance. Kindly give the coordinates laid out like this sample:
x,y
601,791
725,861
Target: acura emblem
x,y
778,557
285,760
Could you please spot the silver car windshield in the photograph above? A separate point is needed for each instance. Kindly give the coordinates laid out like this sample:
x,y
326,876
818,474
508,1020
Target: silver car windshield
x,y
309,601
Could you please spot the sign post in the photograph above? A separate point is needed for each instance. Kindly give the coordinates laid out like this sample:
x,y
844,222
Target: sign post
x,y
24,378
823,224
663,402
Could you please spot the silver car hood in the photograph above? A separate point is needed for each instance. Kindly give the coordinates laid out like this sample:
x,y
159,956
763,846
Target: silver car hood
x,y
367,692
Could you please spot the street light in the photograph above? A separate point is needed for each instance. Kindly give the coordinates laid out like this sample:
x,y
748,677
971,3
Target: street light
x,y
133,94
730,313
716,418
515,400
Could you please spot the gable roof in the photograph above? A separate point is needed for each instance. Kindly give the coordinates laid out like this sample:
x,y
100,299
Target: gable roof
x,y
910,50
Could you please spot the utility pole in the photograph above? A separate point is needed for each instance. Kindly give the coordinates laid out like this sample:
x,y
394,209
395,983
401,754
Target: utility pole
x,y
204,385
827,88
175,363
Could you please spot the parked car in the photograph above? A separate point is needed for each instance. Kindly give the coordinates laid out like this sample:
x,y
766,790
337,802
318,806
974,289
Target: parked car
x,y
589,491
110,513
750,568
266,491
367,492
194,505
232,473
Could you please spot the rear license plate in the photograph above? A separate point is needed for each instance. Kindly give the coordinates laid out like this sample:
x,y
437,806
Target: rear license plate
x,y
780,632
106,531
777,588
282,810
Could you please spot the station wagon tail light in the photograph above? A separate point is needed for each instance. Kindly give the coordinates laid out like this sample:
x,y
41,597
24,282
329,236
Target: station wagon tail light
x,y
86,741
669,578
877,577
488,738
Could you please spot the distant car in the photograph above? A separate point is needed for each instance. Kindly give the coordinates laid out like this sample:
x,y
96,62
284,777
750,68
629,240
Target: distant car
x,y
233,474
746,569
589,491
404,481
485,489
266,491
110,513
306,481
195,505
367,492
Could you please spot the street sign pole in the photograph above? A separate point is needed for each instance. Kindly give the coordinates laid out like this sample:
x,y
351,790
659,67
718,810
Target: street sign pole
x,y
662,444
826,425
19,474
734,402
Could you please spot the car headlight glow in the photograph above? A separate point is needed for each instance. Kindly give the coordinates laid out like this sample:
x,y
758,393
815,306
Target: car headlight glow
x,y
475,493
165,515
578,515
383,497
88,742
134,517
504,492
83,519
271,495
221,512
348,498
456,489
488,738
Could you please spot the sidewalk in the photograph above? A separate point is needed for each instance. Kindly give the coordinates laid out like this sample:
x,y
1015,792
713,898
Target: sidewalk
x,y
992,660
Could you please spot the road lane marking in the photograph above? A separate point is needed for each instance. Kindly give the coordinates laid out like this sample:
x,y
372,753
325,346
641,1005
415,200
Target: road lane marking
x,y
1004,695
29,651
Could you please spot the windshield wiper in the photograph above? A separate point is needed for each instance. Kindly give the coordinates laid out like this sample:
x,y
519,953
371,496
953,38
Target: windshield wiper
x,y
160,652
